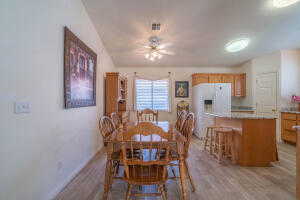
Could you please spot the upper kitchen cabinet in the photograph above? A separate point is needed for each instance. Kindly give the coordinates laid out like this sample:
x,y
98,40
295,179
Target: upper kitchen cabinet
x,y
229,78
199,78
238,81
240,85
215,78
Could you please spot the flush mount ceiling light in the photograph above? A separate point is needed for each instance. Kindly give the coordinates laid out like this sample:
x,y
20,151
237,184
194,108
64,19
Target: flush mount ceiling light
x,y
283,3
237,45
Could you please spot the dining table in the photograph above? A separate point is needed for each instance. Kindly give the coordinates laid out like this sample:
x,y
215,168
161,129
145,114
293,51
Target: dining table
x,y
113,144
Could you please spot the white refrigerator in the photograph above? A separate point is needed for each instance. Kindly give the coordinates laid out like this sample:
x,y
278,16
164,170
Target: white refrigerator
x,y
209,98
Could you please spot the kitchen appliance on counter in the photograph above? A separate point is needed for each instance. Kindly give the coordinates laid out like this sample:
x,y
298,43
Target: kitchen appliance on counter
x,y
209,98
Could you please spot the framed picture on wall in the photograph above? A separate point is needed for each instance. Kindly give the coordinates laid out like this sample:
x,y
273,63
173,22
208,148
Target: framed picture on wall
x,y
181,89
80,64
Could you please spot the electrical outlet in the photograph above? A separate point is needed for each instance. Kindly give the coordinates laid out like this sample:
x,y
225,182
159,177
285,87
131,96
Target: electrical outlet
x,y
22,107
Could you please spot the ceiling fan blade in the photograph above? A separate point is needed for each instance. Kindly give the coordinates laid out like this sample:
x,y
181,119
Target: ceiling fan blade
x,y
164,45
162,51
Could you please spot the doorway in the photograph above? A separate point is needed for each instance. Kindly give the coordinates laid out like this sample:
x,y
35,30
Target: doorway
x,y
266,93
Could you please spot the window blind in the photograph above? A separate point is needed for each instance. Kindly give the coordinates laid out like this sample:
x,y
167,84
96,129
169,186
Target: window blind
x,y
152,94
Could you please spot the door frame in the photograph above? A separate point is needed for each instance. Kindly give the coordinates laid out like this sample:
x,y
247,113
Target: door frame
x,y
277,86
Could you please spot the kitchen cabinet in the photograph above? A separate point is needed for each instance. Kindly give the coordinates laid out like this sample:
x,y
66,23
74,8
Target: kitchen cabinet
x,y
229,78
240,85
215,78
254,139
200,78
288,120
238,81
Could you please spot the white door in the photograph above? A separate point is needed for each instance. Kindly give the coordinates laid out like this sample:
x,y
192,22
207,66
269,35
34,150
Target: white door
x,y
266,93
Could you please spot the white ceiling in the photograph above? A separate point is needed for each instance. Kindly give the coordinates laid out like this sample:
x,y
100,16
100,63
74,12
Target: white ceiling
x,y
198,29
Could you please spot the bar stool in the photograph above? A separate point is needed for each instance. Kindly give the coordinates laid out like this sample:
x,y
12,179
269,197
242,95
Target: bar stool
x,y
223,147
209,138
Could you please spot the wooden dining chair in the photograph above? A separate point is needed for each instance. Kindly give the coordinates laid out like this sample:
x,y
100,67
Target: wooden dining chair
x,y
150,167
187,131
106,127
147,115
116,120
180,119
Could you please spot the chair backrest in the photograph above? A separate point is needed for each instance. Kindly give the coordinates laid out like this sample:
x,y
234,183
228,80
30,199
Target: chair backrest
x,y
180,119
187,130
106,127
145,130
116,120
147,115
146,152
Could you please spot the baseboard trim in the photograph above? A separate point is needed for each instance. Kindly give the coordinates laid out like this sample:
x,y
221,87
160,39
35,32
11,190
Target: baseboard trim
x,y
64,184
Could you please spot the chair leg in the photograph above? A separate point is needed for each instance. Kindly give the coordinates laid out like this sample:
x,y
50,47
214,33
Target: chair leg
x,y
211,142
206,139
173,171
128,193
117,167
162,192
220,147
165,191
190,177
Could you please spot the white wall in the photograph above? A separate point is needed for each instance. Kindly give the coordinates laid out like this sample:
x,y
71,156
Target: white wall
x,y
264,64
177,74
290,77
42,150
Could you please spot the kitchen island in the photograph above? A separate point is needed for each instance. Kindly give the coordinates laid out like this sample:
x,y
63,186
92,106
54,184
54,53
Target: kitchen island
x,y
254,137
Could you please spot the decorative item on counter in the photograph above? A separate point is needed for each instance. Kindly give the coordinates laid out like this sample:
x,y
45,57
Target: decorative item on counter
x,y
296,99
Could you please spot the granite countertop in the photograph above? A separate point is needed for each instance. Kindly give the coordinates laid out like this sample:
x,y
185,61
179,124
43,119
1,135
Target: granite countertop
x,y
290,110
242,116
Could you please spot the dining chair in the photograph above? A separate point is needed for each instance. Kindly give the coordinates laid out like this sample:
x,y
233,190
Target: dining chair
x,y
187,131
147,115
106,127
150,167
116,120
180,119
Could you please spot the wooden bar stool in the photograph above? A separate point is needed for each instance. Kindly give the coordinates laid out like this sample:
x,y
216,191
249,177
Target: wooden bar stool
x,y
208,139
223,147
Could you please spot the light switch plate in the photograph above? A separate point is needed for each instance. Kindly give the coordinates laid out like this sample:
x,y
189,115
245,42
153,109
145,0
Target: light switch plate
x,y
22,107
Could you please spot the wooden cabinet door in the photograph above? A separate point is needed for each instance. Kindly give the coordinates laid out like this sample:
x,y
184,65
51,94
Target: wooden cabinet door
x,y
240,85
288,125
215,78
229,78
199,78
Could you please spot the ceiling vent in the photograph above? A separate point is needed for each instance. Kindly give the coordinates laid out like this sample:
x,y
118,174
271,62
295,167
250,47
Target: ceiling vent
x,y
155,26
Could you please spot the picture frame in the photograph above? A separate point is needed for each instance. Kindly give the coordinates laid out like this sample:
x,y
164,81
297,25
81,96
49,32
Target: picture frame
x,y
181,89
80,67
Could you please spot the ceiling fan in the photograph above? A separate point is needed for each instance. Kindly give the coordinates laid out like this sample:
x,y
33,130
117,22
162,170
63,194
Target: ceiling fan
x,y
156,50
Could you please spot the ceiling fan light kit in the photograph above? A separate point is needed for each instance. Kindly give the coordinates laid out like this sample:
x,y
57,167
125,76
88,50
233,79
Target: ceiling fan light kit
x,y
156,49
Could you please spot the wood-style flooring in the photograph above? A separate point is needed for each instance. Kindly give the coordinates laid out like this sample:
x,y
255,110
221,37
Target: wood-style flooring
x,y
213,181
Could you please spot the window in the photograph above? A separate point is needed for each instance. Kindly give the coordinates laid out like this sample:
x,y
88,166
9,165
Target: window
x,y
152,94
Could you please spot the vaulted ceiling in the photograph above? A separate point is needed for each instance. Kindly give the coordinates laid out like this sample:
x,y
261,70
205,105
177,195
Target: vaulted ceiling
x,y
198,29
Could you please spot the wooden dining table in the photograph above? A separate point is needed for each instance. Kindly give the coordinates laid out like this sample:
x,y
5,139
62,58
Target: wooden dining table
x,y
175,136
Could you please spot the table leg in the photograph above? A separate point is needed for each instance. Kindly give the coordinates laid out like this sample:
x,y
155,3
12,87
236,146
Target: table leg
x,y
182,171
107,180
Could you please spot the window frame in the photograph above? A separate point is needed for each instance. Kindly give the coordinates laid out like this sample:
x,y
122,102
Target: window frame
x,y
152,102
